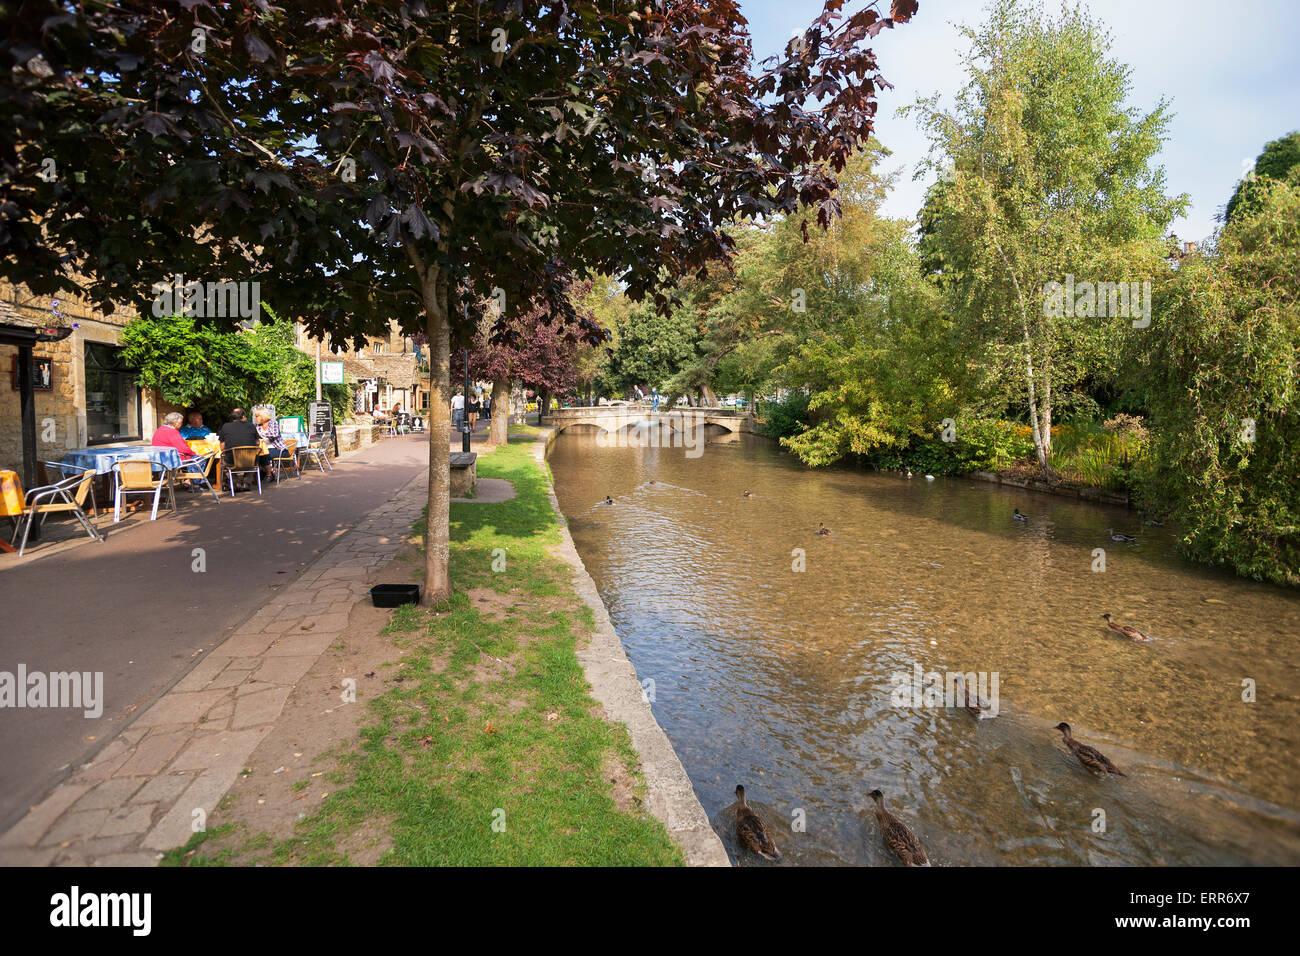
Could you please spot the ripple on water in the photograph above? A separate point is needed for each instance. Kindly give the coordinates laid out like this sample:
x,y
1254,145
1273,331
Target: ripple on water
x,y
782,679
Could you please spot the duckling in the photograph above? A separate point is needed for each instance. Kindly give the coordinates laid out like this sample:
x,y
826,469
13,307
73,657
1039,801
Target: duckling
x,y
901,841
1123,538
1017,515
1132,633
1091,758
609,500
752,832
972,702
822,529
909,472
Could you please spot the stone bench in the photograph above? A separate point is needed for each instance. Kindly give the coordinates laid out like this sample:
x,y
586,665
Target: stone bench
x,y
464,473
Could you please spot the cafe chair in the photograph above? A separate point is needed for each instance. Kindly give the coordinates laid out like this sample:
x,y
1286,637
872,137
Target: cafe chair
x,y
315,450
62,497
243,461
63,469
288,458
196,470
134,476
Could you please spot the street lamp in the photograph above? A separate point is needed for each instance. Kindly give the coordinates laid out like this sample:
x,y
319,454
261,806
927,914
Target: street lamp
x,y
464,414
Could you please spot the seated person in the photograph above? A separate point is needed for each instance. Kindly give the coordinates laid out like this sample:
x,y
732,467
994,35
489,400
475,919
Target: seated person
x,y
268,429
168,435
195,427
240,432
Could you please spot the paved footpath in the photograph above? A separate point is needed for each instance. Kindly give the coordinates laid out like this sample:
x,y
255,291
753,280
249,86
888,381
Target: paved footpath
x,y
145,791
136,609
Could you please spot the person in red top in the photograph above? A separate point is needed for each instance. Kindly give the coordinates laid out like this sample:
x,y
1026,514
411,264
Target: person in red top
x,y
168,435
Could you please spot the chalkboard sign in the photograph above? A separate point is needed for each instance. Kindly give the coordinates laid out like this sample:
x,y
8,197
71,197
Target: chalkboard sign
x,y
321,417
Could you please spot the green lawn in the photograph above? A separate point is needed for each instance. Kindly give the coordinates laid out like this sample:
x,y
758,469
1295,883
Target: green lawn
x,y
468,761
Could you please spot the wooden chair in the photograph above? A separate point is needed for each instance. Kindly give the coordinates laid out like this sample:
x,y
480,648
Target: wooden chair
x,y
243,461
196,470
134,476
66,496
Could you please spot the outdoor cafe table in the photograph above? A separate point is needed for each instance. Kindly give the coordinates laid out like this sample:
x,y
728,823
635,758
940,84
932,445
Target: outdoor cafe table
x,y
101,459
11,500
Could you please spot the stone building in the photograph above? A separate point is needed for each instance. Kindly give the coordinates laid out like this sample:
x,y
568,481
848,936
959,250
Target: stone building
x,y
387,369
85,395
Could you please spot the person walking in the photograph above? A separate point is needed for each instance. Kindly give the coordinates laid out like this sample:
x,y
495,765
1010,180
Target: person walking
x,y
654,395
472,409
457,410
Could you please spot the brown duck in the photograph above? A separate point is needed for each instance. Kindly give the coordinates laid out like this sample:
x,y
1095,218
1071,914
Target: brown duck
x,y
752,832
901,841
822,529
971,701
1132,633
1093,759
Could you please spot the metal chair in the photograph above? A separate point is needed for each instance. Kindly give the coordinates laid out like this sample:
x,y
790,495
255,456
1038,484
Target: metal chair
x,y
134,476
243,461
63,496
196,469
315,450
287,457
64,468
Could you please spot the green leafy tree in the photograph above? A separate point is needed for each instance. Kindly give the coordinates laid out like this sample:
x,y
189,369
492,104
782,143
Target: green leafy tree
x,y
1047,174
198,366
1274,163
1221,367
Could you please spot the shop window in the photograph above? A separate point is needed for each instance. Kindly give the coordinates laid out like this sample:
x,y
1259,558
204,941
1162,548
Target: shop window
x,y
112,398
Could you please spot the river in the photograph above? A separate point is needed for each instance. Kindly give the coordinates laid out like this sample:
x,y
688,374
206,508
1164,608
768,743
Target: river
x,y
786,660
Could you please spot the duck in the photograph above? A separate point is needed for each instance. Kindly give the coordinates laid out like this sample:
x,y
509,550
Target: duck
x,y
1090,757
822,529
609,500
1154,523
972,702
1116,536
1132,633
909,473
1018,515
745,494
901,841
751,831
929,477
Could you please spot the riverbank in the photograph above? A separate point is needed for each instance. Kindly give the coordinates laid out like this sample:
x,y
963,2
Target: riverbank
x,y
481,744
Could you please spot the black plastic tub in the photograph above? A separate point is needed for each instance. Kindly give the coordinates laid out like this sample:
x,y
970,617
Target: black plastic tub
x,y
391,595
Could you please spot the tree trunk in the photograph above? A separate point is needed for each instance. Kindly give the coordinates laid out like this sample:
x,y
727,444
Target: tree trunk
x,y
543,404
437,535
710,397
500,412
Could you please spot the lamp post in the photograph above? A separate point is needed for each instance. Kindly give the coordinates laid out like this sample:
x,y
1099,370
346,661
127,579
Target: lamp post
x,y
464,414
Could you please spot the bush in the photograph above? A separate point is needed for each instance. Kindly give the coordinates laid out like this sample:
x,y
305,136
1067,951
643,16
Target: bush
x,y
781,419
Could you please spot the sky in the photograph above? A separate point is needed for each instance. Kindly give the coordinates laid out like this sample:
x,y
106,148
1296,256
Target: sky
x,y
1231,71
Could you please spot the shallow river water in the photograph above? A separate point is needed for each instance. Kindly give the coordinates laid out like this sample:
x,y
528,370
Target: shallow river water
x,y
801,684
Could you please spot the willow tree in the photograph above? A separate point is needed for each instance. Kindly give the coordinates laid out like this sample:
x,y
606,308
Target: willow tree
x,y
388,158
1047,176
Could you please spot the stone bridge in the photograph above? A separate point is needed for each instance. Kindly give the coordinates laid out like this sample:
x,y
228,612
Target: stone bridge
x,y
681,418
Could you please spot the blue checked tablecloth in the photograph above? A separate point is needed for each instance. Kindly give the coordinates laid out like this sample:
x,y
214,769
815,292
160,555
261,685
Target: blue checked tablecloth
x,y
102,459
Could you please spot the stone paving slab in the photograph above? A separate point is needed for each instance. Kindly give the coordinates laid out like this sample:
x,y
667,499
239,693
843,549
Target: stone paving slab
x,y
148,789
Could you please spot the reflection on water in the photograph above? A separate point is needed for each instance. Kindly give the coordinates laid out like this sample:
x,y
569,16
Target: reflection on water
x,y
781,679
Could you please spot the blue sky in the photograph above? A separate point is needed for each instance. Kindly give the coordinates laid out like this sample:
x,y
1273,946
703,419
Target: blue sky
x,y
1230,70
